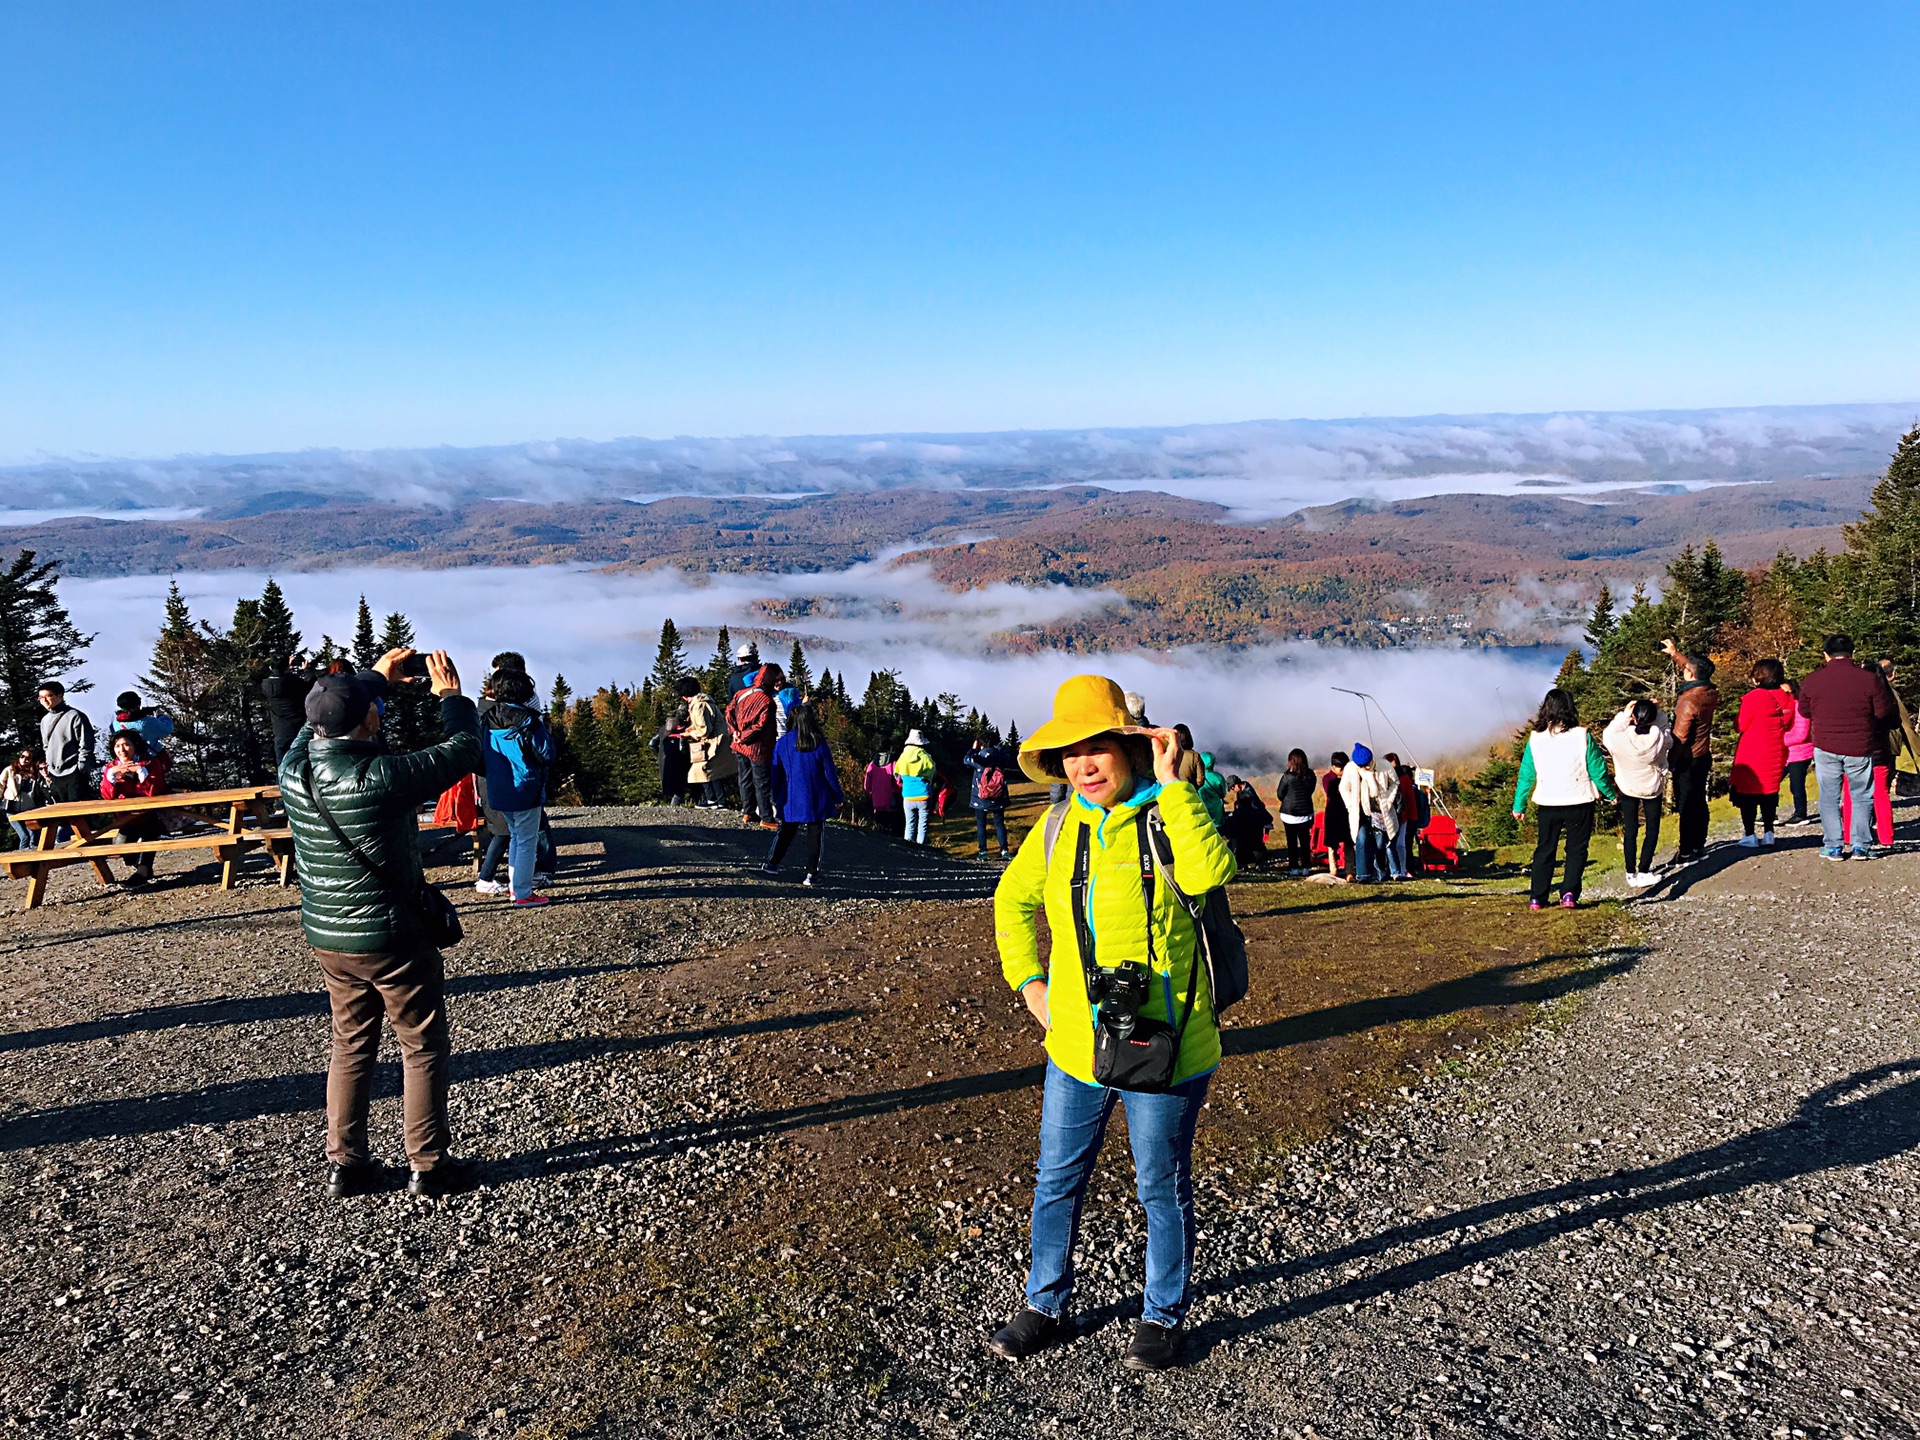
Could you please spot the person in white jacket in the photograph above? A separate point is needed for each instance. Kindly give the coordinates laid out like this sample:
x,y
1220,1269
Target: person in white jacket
x,y
1566,775
1372,796
1638,739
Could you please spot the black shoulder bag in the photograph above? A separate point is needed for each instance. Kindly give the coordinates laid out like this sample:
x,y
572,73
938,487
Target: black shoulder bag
x,y
1131,1051
439,921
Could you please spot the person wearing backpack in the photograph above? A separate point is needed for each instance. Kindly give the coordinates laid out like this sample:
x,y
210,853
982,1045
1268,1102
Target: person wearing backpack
x,y
988,793
806,787
1129,1016
519,749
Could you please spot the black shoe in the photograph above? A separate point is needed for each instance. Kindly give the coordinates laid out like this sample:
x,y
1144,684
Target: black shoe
x,y
1154,1347
344,1181
449,1177
1028,1333
769,872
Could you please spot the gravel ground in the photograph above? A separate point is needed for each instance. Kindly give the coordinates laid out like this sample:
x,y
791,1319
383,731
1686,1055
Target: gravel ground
x,y
1686,1203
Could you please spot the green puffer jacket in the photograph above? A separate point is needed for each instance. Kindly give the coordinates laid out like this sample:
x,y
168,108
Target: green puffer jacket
x,y
372,797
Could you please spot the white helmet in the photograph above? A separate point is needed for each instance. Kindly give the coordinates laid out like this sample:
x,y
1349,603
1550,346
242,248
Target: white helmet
x,y
746,652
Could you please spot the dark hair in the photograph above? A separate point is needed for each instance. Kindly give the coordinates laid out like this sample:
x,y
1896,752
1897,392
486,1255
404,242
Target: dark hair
x,y
1769,674
805,729
1645,712
1701,667
1341,759
1391,758
1137,748
1297,763
1835,644
1792,687
515,687
1557,711
138,741
771,678
1186,736
686,687
52,687
509,660
126,700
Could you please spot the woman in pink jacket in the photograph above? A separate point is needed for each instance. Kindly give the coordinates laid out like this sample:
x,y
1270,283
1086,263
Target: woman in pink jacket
x,y
1799,758
1760,757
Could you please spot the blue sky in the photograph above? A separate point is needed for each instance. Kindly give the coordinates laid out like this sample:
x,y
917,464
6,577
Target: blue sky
x,y
245,227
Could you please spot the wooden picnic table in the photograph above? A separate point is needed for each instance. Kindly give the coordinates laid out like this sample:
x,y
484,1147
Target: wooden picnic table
x,y
230,822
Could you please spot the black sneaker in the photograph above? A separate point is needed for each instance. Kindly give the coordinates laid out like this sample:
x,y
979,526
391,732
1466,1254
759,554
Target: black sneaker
x,y
1154,1347
344,1181
769,872
449,1177
1028,1333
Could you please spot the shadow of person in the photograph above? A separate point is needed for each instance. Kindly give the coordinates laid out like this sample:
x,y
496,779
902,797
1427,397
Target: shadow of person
x,y
1869,1116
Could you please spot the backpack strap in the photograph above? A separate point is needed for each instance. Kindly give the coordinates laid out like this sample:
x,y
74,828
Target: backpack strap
x,y
1145,823
1050,827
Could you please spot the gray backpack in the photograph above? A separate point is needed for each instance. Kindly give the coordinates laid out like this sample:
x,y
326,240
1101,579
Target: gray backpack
x,y
1222,941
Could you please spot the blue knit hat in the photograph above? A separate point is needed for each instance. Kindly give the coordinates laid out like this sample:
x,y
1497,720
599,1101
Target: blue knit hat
x,y
1361,754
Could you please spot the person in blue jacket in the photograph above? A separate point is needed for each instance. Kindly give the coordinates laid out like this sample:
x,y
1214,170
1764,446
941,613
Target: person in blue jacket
x,y
518,749
806,787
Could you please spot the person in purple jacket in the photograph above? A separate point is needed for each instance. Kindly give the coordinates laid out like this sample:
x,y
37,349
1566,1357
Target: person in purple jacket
x,y
806,788
1849,707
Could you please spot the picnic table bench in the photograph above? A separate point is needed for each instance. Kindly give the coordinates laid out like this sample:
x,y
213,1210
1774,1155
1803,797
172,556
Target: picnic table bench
x,y
228,822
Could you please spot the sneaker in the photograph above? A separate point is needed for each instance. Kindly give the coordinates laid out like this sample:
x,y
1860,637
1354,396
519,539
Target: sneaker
x,y
1006,855
1569,902
489,887
1154,1347
1749,842
1640,879
749,819
1767,839
807,880
1832,852
769,872
1028,1333
768,825
542,880
1860,855
532,902
1535,905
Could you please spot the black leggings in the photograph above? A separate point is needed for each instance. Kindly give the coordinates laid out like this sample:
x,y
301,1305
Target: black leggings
x,y
1576,823
1797,783
1299,845
1768,807
1633,812
815,829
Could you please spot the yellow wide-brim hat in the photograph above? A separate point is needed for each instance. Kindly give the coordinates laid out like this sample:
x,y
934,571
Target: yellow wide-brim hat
x,y
1084,706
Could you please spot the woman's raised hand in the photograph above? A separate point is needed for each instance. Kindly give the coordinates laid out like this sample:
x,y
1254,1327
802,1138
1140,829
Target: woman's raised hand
x,y
1166,752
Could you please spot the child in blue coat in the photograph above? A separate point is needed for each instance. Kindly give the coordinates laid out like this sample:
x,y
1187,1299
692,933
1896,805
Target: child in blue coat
x,y
518,749
806,787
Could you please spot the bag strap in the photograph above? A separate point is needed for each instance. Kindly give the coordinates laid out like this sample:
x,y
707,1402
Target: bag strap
x,y
1050,827
1149,866
412,902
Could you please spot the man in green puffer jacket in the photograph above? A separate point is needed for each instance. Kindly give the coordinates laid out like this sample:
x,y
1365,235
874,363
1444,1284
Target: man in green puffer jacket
x,y
369,940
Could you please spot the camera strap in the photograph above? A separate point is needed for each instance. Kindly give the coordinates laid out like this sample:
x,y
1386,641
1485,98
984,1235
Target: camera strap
x,y
1083,929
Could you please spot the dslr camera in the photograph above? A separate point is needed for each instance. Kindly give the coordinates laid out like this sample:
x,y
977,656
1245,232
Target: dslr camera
x,y
1120,992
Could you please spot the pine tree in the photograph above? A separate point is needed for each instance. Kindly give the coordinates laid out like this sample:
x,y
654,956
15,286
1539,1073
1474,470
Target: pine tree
x,y
670,660
719,676
798,675
184,679
364,653
1883,550
277,635
37,642
562,697
1602,623
413,716
1013,736
241,741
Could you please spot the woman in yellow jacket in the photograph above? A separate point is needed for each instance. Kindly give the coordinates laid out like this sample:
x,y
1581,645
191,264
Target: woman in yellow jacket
x,y
1143,962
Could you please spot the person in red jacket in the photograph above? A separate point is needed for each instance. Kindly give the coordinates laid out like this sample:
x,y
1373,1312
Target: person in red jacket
x,y
1850,708
752,722
136,772
1767,712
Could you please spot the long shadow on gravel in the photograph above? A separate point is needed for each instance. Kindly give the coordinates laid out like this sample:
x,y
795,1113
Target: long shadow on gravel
x,y
1505,985
1847,1123
252,1009
288,1094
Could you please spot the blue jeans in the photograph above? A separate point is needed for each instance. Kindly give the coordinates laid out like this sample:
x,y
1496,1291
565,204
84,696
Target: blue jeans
x,y
916,822
1073,1122
1368,853
998,815
523,844
21,833
1857,773
1397,849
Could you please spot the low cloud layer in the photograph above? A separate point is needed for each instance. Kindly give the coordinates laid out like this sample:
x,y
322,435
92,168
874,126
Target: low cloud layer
x,y
1257,469
597,628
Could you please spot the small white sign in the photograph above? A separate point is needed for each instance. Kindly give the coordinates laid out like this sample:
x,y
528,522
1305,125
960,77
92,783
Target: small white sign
x,y
1423,778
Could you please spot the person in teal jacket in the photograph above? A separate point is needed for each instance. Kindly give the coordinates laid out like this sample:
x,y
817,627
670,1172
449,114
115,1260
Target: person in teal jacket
x,y
1564,771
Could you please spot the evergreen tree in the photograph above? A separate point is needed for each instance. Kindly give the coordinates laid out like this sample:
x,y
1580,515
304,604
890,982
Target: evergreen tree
x,y
364,651
412,720
184,679
1013,736
1883,551
798,675
37,642
670,660
277,635
719,676
241,740
562,697
1602,622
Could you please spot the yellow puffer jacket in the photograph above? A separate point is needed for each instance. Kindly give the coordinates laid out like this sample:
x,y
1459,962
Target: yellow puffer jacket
x,y
1115,913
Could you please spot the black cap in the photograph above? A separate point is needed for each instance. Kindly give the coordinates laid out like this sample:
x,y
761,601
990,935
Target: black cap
x,y
337,704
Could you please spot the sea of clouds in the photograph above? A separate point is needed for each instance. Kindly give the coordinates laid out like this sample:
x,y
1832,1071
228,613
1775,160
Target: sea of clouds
x,y
1257,469
598,628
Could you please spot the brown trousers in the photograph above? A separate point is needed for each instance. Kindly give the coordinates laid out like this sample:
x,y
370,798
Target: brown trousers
x,y
411,990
